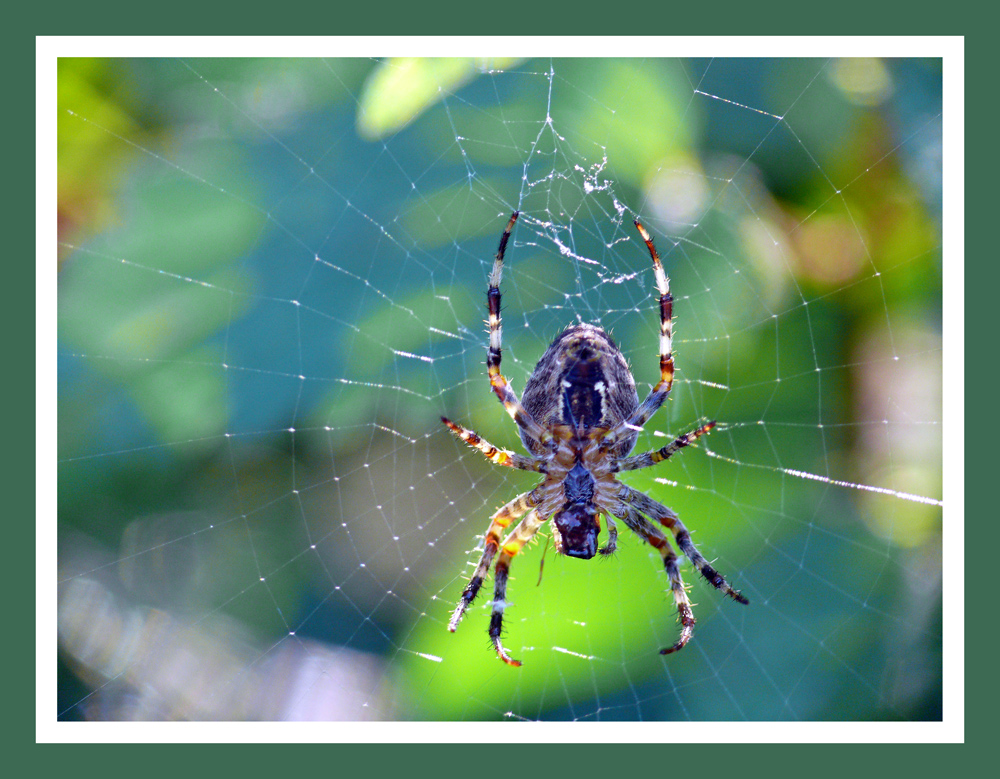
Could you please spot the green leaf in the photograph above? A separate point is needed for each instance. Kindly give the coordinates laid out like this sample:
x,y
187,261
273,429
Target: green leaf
x,y
402,88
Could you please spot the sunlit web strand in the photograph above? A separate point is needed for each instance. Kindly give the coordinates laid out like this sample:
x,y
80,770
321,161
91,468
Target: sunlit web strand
x,y
837,482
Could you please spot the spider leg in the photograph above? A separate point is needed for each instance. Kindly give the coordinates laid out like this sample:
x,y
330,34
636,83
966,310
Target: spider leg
x,y
642,527
647,459
492,453
518,537
501,519
610,547
501,387
669,519
658,394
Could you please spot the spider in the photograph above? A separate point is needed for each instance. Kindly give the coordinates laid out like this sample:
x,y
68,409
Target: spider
x,y
579,420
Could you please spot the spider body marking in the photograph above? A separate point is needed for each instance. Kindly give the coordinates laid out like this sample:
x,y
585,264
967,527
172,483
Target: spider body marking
x,y
579,419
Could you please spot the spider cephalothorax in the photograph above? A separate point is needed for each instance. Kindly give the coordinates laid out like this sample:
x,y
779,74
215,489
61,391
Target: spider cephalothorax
x,y
576,525
579,419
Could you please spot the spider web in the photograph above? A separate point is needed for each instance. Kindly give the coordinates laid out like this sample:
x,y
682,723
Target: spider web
x,y
278,289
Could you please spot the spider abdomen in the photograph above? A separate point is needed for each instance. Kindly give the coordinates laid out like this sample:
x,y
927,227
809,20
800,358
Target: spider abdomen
x,y
581,381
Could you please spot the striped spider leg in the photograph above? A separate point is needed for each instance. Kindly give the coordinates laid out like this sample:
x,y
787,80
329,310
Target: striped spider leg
x,y
531,431
492,453
630,505
512,544
682,536
501,519
643,528
658,394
